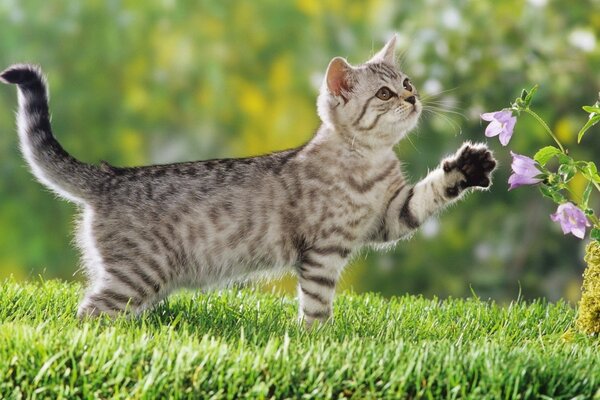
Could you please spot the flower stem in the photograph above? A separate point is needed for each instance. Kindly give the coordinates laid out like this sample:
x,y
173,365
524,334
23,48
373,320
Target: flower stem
x,y
546,127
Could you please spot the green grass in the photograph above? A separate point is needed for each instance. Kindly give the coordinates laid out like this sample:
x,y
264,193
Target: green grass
x,y
246,344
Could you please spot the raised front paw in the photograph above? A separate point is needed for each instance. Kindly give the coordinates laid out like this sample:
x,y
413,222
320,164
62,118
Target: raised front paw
x,y
474,163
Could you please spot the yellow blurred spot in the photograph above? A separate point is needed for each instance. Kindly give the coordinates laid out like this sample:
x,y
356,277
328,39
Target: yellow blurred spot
x,y
131,144
136,98
356,11
252,100
577,184
212,26
275,119
565,130
255,34
310,7
336,6
280,77
11,268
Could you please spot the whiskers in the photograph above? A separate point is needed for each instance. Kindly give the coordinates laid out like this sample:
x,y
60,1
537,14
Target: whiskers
x,y
433,104
438,112
404,112
407,137
437,95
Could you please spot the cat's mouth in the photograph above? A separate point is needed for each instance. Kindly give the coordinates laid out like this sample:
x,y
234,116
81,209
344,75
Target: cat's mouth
x,y
416,109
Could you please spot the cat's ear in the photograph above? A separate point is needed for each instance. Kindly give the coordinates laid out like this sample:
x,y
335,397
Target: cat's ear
x,y
387,54
339,76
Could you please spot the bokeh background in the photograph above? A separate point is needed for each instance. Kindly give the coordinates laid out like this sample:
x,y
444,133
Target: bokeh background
x,y
138,82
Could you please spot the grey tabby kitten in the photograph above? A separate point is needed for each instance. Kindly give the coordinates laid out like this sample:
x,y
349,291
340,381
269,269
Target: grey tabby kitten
x,y
146,231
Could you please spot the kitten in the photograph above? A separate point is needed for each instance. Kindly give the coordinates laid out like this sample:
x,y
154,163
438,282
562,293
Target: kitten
x,y
146,231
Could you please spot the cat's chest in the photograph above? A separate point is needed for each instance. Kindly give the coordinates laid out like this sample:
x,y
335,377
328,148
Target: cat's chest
x,y
358,193
371,180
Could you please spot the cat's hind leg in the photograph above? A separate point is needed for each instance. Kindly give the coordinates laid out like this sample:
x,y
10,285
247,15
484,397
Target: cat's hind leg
x,y
125,272
105,300
121,286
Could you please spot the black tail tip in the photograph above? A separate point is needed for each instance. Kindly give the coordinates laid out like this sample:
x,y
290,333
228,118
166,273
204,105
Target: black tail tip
x,y
21,74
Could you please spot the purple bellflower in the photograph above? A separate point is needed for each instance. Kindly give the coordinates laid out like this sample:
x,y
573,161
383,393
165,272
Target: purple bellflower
x,y
501,123
524,171
571,219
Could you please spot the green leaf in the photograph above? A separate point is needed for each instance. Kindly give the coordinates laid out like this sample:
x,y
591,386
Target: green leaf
x,y
529,96
589,170
595,234
523,94
594,118
564,159
592,109
552,193
546,191
585,198
545,154
567,171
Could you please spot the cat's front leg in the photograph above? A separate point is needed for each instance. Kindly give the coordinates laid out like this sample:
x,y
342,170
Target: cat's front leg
x,y
470,167
318,273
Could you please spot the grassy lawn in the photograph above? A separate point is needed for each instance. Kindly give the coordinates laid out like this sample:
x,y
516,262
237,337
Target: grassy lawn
x,y
246,344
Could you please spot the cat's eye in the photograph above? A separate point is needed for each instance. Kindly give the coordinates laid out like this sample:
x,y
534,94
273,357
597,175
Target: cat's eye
x,y
384,93
407,85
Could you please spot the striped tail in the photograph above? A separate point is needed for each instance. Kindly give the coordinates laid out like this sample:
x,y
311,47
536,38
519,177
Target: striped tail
x,y
49,162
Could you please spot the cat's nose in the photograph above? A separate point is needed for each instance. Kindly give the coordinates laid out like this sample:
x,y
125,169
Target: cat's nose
x,y
411,99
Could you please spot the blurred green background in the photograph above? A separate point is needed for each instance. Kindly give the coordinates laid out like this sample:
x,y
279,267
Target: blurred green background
x,y
139,82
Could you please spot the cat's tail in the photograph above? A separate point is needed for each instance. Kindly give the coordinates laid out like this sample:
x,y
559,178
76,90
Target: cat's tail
x,y
49,162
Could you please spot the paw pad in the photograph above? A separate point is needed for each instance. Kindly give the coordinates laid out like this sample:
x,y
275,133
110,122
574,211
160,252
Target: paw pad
x,y
475,163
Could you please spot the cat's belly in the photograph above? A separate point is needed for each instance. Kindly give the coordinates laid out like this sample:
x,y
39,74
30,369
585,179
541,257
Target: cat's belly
x,y
218,263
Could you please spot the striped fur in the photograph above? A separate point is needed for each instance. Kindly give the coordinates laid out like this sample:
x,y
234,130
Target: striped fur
x,y
146,231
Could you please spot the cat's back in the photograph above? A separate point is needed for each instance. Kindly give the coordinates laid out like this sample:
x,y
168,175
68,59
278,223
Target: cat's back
x,y
196,181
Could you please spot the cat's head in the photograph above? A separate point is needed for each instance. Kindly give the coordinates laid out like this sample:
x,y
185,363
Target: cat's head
x,y
373,104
